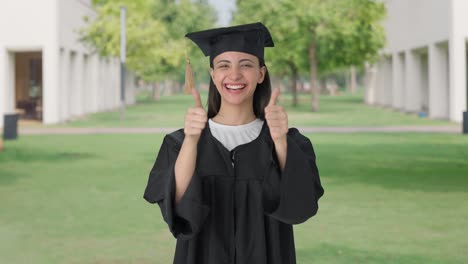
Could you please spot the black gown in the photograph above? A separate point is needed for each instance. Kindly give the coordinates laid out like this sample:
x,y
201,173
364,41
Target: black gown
x,y
238,208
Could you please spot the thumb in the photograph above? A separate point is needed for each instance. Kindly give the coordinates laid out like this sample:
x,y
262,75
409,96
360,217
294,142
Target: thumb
x,y
196,97
274,97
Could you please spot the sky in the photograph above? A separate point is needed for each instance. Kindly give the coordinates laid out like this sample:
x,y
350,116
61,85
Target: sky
x,y
224,8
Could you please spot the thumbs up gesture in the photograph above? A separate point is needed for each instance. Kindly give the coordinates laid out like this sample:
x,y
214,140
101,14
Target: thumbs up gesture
x,y
277,119
195,119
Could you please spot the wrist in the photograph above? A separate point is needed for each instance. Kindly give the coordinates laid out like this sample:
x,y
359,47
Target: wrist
x,y
191,141
281,143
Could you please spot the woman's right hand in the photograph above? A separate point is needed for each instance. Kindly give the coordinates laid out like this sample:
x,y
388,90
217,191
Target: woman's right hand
x,y
195,119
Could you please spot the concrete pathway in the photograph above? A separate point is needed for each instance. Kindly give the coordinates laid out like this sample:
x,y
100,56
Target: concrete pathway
x,y
322,129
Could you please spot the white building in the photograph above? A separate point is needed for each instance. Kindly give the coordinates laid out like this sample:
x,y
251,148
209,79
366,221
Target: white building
x,y
45,72
424,65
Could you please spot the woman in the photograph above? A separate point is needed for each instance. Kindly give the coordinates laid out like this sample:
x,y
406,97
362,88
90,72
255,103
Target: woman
x,y
232,183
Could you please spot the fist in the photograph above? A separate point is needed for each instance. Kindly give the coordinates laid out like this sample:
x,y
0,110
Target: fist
x,y
195,119
276,118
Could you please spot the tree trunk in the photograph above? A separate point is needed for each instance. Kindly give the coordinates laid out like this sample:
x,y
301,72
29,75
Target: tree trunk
x,y
314,89
323,86
353,80
293,84
156,92
168,87
348,81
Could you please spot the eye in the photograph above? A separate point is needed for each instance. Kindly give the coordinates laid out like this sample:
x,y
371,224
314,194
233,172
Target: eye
x,y
246,65
222,66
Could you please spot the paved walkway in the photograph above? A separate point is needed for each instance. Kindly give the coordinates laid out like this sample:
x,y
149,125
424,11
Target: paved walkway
x,y
141,130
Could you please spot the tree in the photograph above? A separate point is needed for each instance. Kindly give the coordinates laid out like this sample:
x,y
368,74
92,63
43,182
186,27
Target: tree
x,y
156,48
341,33
328,34
145,36
182,17
285,59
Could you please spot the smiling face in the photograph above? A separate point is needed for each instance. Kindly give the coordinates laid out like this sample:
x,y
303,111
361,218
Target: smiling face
x,y
236,75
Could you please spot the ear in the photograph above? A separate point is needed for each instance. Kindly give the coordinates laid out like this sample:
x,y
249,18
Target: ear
x,y
262,74
212,73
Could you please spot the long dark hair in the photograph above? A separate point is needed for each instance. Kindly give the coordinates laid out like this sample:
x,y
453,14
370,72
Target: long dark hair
x,y
260,99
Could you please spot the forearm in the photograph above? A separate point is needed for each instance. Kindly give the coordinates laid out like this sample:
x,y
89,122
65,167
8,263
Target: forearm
x,y
281,147
185,166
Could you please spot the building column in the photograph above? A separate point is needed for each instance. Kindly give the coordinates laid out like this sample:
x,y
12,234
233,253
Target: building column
x,y
51,90
78,85
438,82
73,89
412,93
380,82
116,82
102,85
457,75
94,82
398,81
457,60
3,83
370,83
7,83
387,93
86,84
64,85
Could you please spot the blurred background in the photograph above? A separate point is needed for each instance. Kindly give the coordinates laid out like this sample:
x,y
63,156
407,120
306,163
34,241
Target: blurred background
x,y
380,88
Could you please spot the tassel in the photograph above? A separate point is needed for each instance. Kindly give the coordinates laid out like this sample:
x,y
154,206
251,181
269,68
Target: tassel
x,y
189,81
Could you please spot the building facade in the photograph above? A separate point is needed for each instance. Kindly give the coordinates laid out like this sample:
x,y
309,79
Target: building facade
x,y
423,68
46,73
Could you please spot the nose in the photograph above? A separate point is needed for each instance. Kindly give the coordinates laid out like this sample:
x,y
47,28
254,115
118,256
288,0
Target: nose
x,y
235,73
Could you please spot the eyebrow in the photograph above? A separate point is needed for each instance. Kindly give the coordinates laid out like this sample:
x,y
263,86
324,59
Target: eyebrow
x,y
223,61
242,60
249,60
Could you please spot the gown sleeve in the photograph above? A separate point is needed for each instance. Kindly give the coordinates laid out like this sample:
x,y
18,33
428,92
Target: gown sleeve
x,y
187,216
292,196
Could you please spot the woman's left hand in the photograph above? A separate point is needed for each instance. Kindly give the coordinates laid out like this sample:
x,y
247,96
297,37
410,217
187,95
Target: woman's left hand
x,y
277,119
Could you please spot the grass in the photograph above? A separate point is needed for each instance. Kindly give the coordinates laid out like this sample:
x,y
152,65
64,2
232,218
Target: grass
x,y
389,198
344,110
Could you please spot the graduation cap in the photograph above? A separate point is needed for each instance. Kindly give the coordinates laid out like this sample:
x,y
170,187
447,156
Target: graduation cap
x,y
248,38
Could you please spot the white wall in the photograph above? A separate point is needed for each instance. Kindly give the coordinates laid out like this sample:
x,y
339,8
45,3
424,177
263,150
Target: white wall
x,y
75,82
27,25
413,24
432,73
71,14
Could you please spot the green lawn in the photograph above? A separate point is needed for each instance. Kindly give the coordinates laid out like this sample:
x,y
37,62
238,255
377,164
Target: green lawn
x,y
344,110
389,198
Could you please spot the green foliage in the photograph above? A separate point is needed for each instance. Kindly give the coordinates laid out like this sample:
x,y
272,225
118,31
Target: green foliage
x,y
345,32
156,47
181,18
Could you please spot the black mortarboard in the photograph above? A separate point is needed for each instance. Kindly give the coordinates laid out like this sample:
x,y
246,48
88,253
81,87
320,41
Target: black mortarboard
x,y
248,38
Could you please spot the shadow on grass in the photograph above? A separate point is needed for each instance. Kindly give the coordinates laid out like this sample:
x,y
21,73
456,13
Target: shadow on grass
x,y
8,175
327,253
18,156
413,167
34,155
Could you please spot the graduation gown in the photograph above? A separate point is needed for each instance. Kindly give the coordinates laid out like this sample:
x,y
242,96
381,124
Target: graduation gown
x,y
239,207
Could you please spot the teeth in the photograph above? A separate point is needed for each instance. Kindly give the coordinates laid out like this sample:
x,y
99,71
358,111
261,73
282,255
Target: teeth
x,y
235,87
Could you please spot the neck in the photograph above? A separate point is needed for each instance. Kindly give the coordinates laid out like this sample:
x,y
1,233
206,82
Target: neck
x,y
234,115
